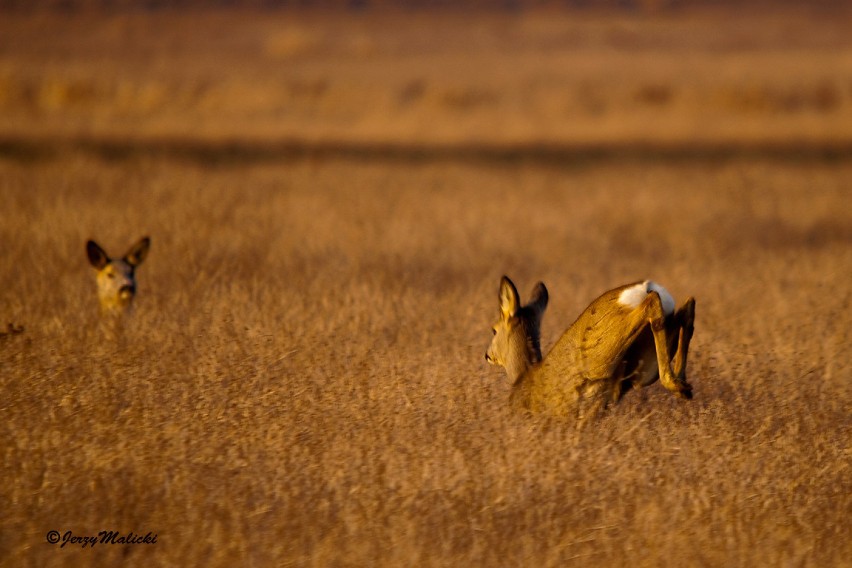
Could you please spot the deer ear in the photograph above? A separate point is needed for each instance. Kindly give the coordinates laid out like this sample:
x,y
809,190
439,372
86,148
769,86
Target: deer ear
x,y
138,252
538,303
97,257
509,301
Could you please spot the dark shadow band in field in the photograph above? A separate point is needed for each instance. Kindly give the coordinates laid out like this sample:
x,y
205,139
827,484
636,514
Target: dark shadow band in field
x,y
249,151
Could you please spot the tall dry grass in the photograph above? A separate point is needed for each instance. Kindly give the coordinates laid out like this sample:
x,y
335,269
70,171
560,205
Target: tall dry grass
x,y
303,380
703,77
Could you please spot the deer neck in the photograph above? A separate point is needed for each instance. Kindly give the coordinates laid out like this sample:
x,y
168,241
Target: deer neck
x,y
524,358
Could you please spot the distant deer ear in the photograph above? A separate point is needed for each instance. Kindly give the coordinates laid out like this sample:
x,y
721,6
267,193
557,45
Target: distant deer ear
x,y
538,302
138,252
97,257
509,301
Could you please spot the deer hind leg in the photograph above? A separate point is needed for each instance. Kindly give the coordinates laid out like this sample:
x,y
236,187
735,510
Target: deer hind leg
x,y
685,321
651,310
594,397
624,381
620,382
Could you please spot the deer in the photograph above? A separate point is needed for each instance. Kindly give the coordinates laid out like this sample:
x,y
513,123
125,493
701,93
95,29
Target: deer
x,y
621,341
116,278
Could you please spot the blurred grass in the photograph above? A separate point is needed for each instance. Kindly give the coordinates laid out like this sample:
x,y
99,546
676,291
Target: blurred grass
x,y
439,78
332,203
303,381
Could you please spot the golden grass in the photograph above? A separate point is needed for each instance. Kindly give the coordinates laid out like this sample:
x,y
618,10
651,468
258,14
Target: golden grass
x,y
303,381
427,78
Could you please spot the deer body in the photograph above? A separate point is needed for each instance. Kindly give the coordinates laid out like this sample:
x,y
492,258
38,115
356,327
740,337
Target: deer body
x,y
116,278
622,340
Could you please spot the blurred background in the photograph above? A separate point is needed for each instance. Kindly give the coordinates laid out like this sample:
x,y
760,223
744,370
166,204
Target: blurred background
x,y
536,76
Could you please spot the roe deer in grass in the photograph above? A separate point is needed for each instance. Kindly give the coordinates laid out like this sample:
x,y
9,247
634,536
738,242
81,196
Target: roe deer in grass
x,y
117,278
622,340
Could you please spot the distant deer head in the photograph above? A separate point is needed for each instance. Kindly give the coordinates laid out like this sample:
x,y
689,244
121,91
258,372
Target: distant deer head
x,y
117,277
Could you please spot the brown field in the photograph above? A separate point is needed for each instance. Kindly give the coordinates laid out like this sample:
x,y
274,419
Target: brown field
x,y
332,203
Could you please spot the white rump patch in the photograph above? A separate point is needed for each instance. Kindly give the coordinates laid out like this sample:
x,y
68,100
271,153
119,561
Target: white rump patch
x,y
665,298
633,296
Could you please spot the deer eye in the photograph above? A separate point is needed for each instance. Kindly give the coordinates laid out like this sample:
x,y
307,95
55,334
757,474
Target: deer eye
x,y
493,331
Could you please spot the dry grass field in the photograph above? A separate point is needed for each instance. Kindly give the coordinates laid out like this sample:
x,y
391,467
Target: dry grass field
x,y
303,380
